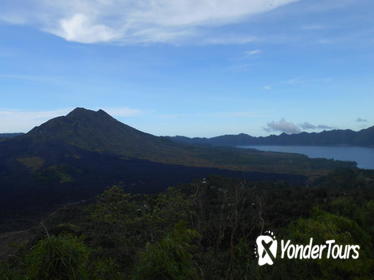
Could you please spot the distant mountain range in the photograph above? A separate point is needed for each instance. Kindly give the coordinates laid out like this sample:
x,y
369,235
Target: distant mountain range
x,y
363,137
76,156
10,135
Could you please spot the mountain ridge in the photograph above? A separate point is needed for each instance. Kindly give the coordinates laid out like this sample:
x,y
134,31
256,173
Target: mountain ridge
x,y
10,135
100,132
97,131
50,148
364,137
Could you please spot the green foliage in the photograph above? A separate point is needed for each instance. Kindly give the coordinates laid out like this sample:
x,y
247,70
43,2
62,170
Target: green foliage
x,y
114,226
34,163
367,216
204,230
170,207
113,205
170,258
324,226
105,269
55,173
9,273
122,222
58,258
242,266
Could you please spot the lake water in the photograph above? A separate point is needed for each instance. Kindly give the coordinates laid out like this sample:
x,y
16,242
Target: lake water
x,y
363,156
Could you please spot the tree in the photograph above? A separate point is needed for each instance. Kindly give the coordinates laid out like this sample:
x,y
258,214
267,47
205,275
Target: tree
x,y
170,258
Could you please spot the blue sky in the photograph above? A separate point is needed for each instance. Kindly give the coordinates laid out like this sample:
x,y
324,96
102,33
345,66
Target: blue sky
x,y
190,67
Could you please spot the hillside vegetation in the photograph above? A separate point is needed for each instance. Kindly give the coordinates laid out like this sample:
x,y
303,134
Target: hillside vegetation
x,y
203,230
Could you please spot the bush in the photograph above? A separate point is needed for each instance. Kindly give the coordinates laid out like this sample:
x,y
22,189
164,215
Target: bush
x,y
170,258
58,258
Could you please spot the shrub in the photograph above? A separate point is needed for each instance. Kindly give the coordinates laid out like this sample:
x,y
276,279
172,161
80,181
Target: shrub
x,y
58,258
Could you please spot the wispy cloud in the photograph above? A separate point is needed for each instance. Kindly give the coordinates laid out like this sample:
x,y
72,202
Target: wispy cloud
x,y
309,126
282,126
253,52
236,39
132,21
285,126
268,87
297,81
23,121
361,120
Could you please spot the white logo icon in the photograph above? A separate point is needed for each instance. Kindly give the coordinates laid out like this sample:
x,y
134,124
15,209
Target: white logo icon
x,y
267,247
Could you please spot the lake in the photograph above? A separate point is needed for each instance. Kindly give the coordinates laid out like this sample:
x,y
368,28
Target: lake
x,y
363,156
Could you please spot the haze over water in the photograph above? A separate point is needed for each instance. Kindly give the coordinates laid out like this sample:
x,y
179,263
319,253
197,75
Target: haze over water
x,y
362,155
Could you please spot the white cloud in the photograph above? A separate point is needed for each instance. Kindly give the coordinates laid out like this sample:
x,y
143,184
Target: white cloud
x,y
134,21
80,28
23,121
227,40
292,128
253,52
323,126
283,126
309,126
302,81
268,87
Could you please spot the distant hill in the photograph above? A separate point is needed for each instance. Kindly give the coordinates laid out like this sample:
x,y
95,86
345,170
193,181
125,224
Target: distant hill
x,y
363,137
10,135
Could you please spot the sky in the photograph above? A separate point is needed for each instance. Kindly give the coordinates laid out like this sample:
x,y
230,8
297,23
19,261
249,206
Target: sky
x,y
190,67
